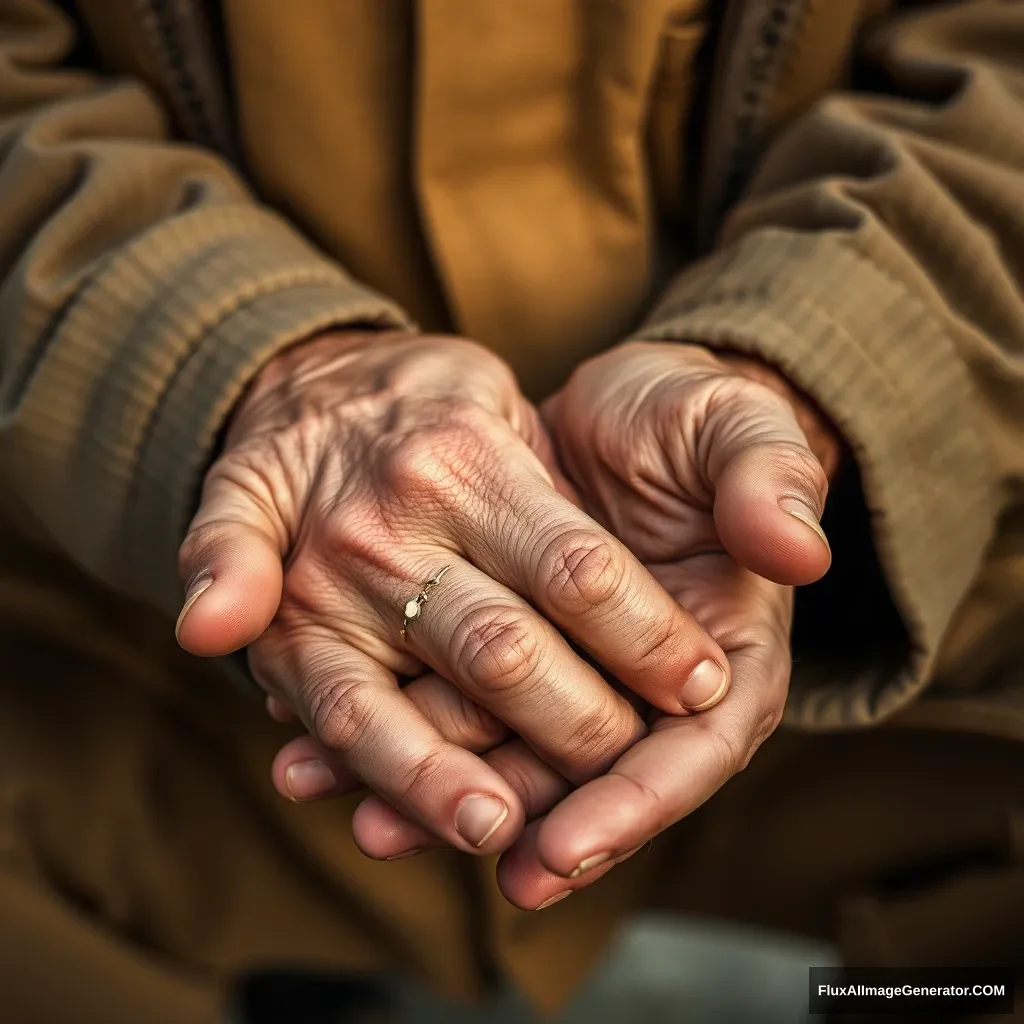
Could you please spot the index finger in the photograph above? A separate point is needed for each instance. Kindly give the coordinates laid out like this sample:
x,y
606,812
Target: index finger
x,y
589,584
667,775
352,706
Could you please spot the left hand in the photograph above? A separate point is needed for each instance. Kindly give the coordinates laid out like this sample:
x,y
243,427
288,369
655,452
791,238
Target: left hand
x,y
714,472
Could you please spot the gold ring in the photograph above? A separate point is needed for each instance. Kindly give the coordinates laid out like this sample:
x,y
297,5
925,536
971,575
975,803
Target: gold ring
x,y
413,607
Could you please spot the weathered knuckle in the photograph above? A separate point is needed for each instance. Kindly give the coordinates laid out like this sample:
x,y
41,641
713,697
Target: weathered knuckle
x,y
597,740
423,773
355,533
583,571
417,464
657,645
437,461
459,352
341,713
496,650
478,363
469,419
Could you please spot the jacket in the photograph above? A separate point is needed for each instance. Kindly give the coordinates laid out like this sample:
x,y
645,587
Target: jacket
x,y
838,188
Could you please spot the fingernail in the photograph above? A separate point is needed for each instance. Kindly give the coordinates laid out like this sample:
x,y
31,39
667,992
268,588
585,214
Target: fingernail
x,y
479,817
406,853
799,509
199,584
308,779
554,899
589,863
705,686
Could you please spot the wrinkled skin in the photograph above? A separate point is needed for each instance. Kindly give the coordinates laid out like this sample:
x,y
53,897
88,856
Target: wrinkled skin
x,y
713,471
358,466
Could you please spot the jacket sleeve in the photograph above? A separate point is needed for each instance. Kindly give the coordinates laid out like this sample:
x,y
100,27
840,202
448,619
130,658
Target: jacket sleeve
x,y
141,288
876,258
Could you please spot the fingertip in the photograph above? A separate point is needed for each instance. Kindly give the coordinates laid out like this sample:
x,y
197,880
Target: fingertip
x,y
591,827
310,780
196,588
383,833
234,595
792,548
220,621
302,772
706,686
805,514
529,884
488,820
473,810
523,880
767,528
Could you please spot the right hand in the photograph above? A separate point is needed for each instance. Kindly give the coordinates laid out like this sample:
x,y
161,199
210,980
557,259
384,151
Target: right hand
x,y
357,466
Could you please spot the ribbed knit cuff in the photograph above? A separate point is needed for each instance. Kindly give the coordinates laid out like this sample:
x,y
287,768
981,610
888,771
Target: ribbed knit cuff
x,y
201,395
163,342
886,370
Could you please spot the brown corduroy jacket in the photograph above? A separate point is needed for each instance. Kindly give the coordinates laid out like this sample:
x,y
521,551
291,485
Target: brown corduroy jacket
x,y
838,187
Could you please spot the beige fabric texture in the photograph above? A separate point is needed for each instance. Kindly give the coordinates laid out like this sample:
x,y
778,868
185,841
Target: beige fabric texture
x,y
836,187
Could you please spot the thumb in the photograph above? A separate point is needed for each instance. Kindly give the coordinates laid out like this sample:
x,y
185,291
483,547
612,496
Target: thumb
x,y
769,495
231,562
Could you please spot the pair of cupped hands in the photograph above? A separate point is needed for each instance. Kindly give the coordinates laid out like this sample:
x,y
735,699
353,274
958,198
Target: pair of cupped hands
x,y
611,641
